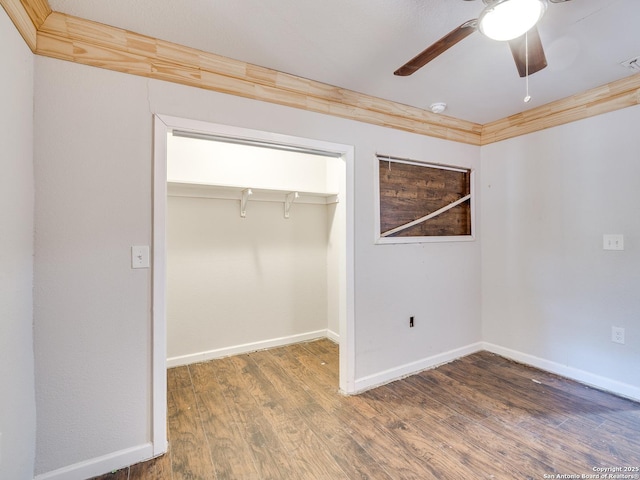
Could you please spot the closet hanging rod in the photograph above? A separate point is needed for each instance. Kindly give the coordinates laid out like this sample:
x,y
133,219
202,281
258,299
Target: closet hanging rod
x,y
234,192
254,143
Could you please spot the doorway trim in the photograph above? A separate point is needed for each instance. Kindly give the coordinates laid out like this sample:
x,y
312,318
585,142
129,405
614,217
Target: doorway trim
x,y
164,124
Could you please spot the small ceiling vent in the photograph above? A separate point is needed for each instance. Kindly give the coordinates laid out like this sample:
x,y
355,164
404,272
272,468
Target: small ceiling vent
x,y
632,64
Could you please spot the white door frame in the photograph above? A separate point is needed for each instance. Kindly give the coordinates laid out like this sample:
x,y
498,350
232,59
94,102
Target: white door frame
x,y
164,124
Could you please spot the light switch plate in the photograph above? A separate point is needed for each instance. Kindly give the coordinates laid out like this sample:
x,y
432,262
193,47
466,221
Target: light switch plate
x,y
140,256
613,242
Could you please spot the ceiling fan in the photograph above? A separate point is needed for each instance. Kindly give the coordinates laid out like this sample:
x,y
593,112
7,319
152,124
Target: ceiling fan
x,y
502,20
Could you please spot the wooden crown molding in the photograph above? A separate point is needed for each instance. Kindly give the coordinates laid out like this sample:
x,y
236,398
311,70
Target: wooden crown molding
x,y
28,16
22,21
65,37
70,38
607,98
38,11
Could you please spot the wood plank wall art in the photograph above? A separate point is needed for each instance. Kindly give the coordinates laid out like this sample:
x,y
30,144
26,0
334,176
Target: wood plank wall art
x,y
424,200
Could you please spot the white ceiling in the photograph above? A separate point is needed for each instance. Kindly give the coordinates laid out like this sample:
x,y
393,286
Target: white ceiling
x,y
357,44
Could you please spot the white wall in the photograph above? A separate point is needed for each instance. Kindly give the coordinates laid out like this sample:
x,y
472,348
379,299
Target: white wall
x,y
234,281
17,400
93,177
220,163
92,311
550,292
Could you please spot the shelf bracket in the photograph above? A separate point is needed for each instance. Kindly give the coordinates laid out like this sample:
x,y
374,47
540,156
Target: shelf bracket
x,y
288,201
243,201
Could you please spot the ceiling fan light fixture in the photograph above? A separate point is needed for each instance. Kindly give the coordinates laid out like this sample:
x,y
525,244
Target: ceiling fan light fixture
x,y
505,20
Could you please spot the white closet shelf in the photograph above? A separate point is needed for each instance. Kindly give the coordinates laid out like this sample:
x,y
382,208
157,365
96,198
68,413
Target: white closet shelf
x,y
233,192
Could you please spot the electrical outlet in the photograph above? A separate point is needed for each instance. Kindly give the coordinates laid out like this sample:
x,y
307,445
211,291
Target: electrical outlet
x,y
617,335
410,321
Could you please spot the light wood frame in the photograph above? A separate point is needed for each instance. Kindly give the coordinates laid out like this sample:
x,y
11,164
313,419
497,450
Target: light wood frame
x,y
82,41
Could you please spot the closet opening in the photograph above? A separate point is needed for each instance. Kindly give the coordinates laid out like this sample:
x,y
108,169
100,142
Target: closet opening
x,y
252,247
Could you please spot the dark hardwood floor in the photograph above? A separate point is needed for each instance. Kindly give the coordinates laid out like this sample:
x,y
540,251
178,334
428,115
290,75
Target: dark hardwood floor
x,y
277,414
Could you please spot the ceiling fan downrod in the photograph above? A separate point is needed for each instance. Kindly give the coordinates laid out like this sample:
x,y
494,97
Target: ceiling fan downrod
x,y
527,97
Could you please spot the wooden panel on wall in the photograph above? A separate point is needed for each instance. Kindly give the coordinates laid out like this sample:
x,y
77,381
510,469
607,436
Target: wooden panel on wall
x,y
411,191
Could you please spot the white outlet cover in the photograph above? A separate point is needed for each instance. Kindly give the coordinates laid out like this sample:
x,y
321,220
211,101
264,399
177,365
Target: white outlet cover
x,y
617,335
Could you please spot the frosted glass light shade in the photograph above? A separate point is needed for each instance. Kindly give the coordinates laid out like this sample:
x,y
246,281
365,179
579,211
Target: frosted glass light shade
x,y
508,19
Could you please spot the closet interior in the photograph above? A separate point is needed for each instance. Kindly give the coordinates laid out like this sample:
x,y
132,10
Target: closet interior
x,y
253,245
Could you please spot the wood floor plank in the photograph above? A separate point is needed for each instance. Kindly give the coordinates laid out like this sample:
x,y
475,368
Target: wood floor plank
x,y
530,386
346,452
327,352
230,453
485,444
543,405
427,435
157,469
392,456
308,370
310,457
122,474
575,390
440,388
442,455
278,414
268,453
189,450
558,400
620,436
520,402
297,392
408,403
178,377
607,447
327,371
203,376
354,460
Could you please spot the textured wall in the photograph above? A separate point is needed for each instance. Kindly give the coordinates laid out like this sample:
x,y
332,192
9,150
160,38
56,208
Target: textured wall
x,y
17,403
92,311
233,281
549,289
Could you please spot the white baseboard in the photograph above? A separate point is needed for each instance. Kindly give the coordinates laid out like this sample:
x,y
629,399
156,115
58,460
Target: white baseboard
x,y
246,348
101,465
333,336
381,378
582,376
